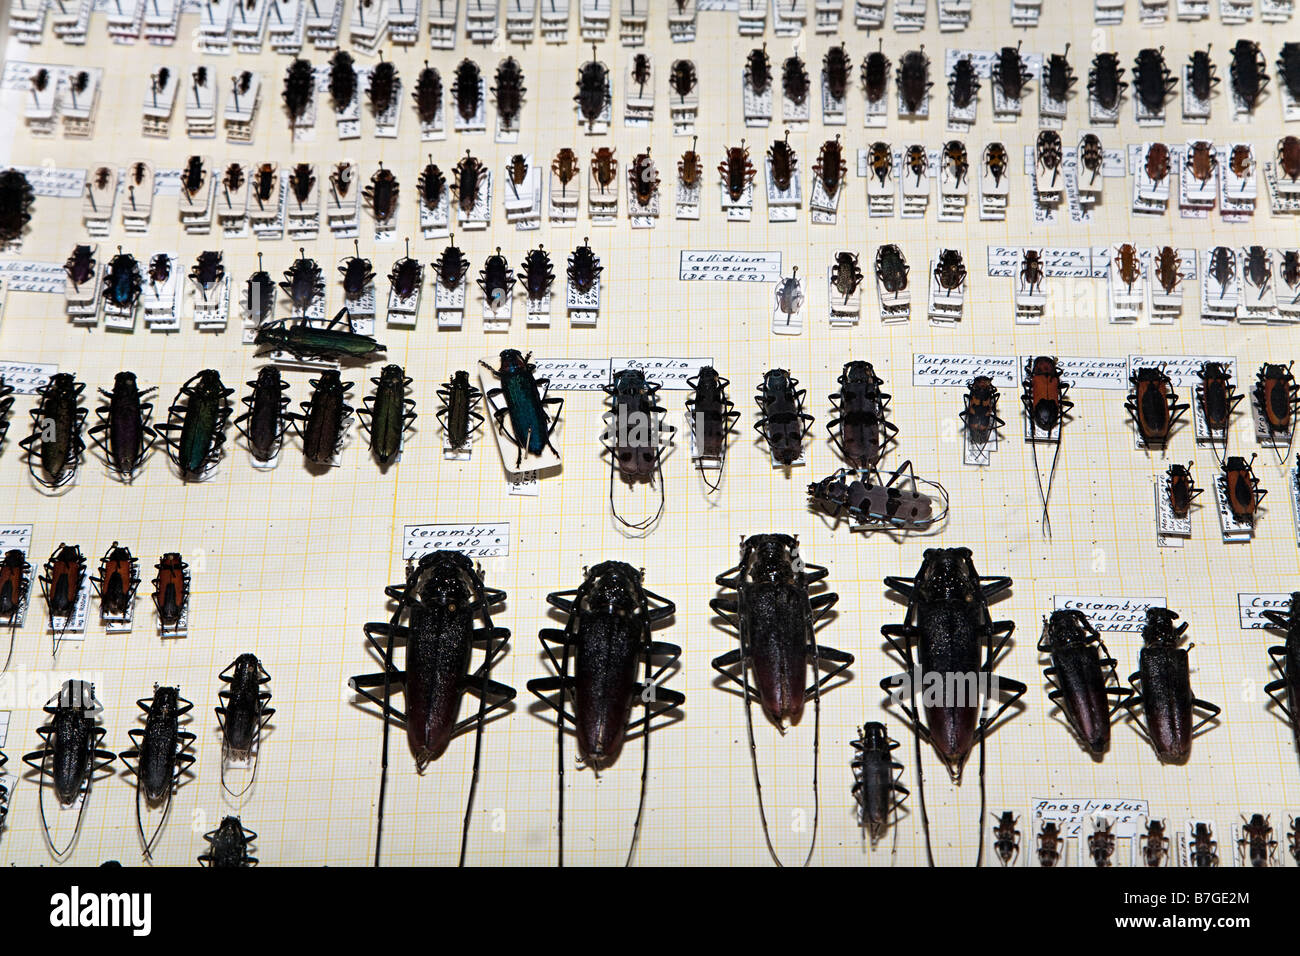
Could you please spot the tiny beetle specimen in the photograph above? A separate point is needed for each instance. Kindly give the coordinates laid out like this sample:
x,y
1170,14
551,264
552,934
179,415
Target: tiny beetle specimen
x,y
1167,266
301,180
641,72
428,94
1043,397
123,431
538,275
1156,165
593,96
341,178
712,415
845,274
122,282
1201,77
1006,838
1091,155
782,162
388,413
964,84
467,180
160,269
16,200
356,272
194,177
690,166
995,161
343,80
55,445
980,415
171,588
264,423
195,431
1031,270
1153,405
208,270
1288,157
1202,161
794,80
383,86
950,272
1257,843
1128,265
1009,72
1101,843
644,178
15,584
1217,398
881,159
1060,75
584,268
1223,266
891,268
737,171
61,583
1285,691
1082,676
682,78
259,294
466,88
1241,488
459,415
1051,845
914,79
1241,161
1277,396
758,70
496,280
452,266
1182,491
80,266
565,167
916,161
604,166
1154,844
782,421
159,757
876,776
406,276
382,195
243,715
303,283
432,185
1204,849
1162,688
1048,152
1152,80
233,178
299,85
228,845
1105,85
323,424
1249,73
525,402
859,430
954,159
875,73
835,71
509,91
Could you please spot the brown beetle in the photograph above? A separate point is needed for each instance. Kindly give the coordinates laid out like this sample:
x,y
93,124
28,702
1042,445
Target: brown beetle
x,y
995,161
15,573
517,169
1128,264
1157,162
1276,398
171,588
954,156
1153,405
981,412
1202,160
1044,393
604,166
565,167
1216,397
1241,161
1181,489
737,171
831,167
1091,155
688,167
1241,488
62,580
1168,263
782,162
1050,845
1288,157
916,161
644,177
1031,270
1291,268
117,581
881,160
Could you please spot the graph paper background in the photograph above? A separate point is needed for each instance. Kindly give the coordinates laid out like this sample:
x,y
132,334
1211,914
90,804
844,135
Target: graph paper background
x,y
291,565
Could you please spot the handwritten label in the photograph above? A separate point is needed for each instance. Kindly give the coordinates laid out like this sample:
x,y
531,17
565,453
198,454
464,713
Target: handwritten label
x,y
573,375
1058,261
29,276
1251,608
1109,613
1105,372
27,378
671,374
1182,369
473,540
55,181
1069,813
721,266
946,371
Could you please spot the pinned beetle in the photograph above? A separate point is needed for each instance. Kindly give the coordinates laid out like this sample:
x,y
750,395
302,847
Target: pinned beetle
x,y
55,446
876,776
243,714
1153,405
388,413
263,425
1082,676
123,432
859,429
195,430
914,80
1162,689
712,415
782,421
159,757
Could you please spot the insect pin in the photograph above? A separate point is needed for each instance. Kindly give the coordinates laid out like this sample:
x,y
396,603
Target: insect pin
x,y
1162,690
635,435
55,446
1006,837
323,423
195,430
159,758
1153,405
777,604
459,415
525,402
1082,676
243,714
713,416
876,776
171,591
388,413
228,845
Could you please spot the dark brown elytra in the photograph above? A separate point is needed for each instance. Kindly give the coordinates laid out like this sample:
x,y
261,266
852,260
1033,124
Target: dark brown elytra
x,y
875,73
1153,405
1202,160
537,274
517,169
1168,263
452,265
995,161
682,78
781,161
1258,268
831,167
1291,268
1288,69
1182,490
964,84
356,272
1256,843
1249,73
1009,72
1128,264
160,268
465,87
644,177
1031,270
565,167
432,185
1157,162
382,194
1060,76
233,177
1201,77
1204,849
736,170
758,70
845,275
428,94
1223,265
301,181
383,86
509,90
954,159
1241,488
469,176
406,275
690,165
604,167
593,95
102,175
303,282
1049,845
794,80
1216,397
341,177
208,269
914,79
1152,79
641,71
1288,157
891,268
264,182
950,272
584,268
496,280
835,71
193,177
1105,85
343,80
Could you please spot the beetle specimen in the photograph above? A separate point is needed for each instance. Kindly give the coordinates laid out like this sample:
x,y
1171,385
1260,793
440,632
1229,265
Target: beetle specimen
x,y
458,415
16,200
1152,81
496,280
949,634
451,266
329,341
1202,161
171,588
80,266
891,268
876,776
690,166
122,282
1105,85
835,71
758,70
356,272
123,431
208,271
303,283
382,195
607,634
1162,688
1293,839
406,276
1241,489
341,178
995,161
1128,265
635,436
1082,676
1258,268
954,158
538,275
15,582
737,171
61,585
712,415
1285,691
1257,843
846,277
196,427
1153,405
243,714
584,269
916,160
980,415
875,73
914,80
228,845
1048,152
1045,404
1156,164
1277,397
1288,69
443,610
782,421
794,80
776,618
950,272
117,582
593,96
1154,844
782,162
565,167
1031,270
1167,264
263,425
160,269
1249,73
641,72
467,180
897,503
1182,491
160,756
1288,157
682,78
259,294
1201,77
1010,73
6,406
643,177
388,413
55,445
1290,268
383,87
526,400
299,85
301,181
964,84
1204,849
194,177
1051,845
1006,838
1091,156
1223,266
1059,78
509,91
467,88
428,94
1242,162
432,185
70,754
881,160
859,408
1101,843
323,423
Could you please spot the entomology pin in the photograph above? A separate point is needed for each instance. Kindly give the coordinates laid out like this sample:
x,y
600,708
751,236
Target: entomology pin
x,y
303,282
80,266
565,167
264,423
16,200
1277,396
1249,73
876,776
593,96
1082,676
451,266
208,270
243,714
123,431
383,85
195,431
875,73
496,280
1257,843
467,180
950,271
1152,80
914,79
1216,397
1242,489
1128,265
1048,150
1223,266
736,170
835,71
432,185
859,429
1204,849
301,180
1285,691
466,87
682,78
1010,73
228,845
356,272
758,70
159,757
881,160
428,94
1105,85
1091,155
509,91
1288,157
1156,165
299,85
1060,75
584,268
964,84
794,79
782,421
388,413
55,446
1153,843
171,588
845,274
995,161
118,581
916,161
459,415
524,394
1050,844
1006,838
644,177
343,80
1201,76
980,414
712,416
1031,271
1101,843
891,268
1162,689
1182,490
1153,405
122,282
831,166
782,162
382,195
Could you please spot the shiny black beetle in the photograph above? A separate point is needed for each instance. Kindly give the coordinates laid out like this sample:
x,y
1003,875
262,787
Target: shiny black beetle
x,y
160,756
263,425
323,423
243,715
859,429
123,432
1082,676
712,415
635,436
782,421
55,446
1285,691
876,775
1162,689
228,845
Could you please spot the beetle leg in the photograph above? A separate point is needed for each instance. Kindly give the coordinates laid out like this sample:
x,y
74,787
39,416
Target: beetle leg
x,y
729,659
904,586
840,659
663,697
540,686
478,685
361,682
1017,689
